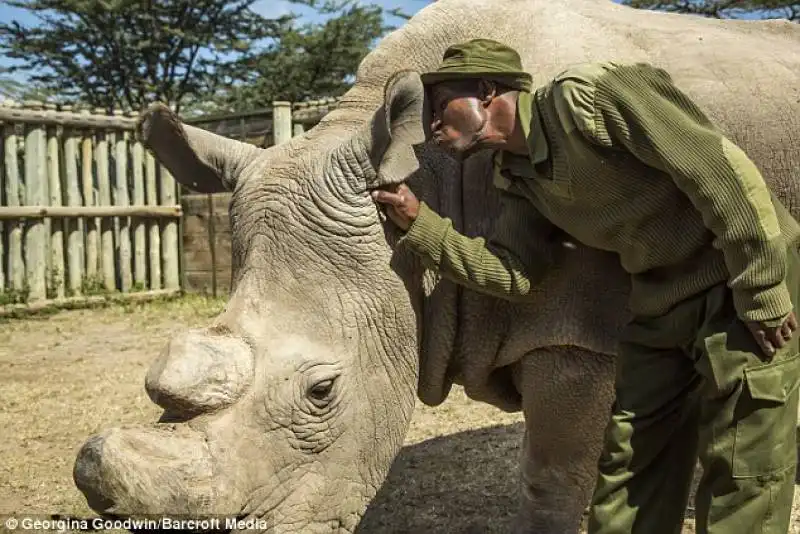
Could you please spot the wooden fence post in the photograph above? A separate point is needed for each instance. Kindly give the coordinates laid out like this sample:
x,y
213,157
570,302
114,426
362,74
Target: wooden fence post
x,y
36,194
169,243
212,244
106,224
73,227
151,186
88,165
139,236
2,225
14,262
281,122
56,275
122,199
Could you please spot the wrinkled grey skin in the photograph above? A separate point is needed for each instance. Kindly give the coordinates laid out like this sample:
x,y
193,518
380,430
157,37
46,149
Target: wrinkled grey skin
x,y
293,403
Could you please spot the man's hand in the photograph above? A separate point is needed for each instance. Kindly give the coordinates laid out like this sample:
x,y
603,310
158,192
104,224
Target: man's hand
x,y
771,338
401,204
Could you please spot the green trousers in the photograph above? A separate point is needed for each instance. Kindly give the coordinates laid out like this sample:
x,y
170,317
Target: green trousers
x,y
694,384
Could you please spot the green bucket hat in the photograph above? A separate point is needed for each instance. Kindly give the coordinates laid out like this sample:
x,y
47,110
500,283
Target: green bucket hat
x,y
481,58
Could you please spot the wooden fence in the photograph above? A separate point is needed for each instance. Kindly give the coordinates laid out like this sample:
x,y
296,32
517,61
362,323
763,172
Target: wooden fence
x,y
87,213
85,209
266,127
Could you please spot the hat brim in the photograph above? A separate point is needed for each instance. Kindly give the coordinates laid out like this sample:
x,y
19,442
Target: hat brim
x,y
517,80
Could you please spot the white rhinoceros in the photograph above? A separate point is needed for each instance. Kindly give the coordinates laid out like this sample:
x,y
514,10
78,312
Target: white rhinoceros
x,y
292,404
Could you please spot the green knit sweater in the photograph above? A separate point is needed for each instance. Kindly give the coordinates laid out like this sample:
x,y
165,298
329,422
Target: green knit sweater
x,y
623,161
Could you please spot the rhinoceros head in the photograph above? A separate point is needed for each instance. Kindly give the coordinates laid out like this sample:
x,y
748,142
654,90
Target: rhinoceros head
x,y
291,405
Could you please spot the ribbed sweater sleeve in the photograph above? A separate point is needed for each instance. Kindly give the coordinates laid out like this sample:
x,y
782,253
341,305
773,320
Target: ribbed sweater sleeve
x,y
638,107
508,265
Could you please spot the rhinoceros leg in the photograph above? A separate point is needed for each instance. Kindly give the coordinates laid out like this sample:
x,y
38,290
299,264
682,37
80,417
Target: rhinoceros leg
x,y
567,394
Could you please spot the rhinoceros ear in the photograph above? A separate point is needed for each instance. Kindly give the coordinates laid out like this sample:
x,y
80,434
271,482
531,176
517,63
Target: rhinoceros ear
x,y
397,127
200,160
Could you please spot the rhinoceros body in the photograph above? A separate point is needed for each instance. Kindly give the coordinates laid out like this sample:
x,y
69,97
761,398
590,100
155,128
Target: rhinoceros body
x,y
292,404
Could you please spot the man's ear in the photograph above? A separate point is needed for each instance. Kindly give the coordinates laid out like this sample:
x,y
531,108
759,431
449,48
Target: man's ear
x,y
396,127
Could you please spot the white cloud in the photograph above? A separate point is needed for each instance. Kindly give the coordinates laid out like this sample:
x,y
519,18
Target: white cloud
x,y
272,8
276,8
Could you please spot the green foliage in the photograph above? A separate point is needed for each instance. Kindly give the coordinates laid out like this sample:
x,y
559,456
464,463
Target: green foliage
x,y
53,280
309,61
199,56
13,89
15,296
127,53
724,9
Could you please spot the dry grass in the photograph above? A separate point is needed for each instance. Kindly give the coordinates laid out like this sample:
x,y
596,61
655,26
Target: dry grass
x,y
66,376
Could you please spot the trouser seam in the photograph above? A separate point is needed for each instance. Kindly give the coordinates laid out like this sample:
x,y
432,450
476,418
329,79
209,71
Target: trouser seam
x,y
772,477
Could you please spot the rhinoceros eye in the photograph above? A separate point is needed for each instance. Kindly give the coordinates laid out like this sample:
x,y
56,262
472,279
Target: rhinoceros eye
x,y
321,391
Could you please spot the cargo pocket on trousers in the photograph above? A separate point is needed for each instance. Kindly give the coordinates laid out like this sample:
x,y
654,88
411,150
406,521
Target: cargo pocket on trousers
x,y
766,418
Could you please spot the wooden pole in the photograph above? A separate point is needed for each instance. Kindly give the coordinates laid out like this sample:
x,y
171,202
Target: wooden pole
x,y
111,139
96,121
3,260
151,181
65,212
2,237
139,235
281,122
57,269
169,237
181,231
106,225
16,266
212,244
121,159
84,301
74,228
35,193
89,199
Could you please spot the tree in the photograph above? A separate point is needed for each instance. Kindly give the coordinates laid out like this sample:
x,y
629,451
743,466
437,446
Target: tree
x,y
725,8
19,91
127,53
309,61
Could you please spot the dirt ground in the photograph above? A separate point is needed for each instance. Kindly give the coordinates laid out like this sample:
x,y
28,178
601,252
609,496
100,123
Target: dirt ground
x,y
68,375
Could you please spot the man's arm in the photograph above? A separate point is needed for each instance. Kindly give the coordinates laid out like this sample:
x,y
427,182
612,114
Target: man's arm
x,y
638,108
507,265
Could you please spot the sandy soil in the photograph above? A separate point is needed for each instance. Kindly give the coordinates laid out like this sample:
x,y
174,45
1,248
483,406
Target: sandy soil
x,y
66,376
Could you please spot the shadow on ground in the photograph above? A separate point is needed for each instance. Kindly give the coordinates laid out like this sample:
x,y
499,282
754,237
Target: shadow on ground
x,y
463,483
459,483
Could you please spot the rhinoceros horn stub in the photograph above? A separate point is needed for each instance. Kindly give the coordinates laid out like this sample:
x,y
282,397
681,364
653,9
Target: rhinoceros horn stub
x,y
200,373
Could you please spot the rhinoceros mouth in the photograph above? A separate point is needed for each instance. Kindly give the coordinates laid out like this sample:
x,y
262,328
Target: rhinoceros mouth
x,y
161,471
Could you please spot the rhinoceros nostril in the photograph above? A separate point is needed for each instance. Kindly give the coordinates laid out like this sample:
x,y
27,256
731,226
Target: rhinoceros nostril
x,y
88,474
173,416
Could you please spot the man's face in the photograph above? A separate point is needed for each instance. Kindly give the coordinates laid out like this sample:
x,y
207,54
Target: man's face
x,y
459,117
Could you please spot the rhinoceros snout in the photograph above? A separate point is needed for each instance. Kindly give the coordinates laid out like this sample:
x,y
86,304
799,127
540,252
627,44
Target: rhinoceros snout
x,y
148,472
199,372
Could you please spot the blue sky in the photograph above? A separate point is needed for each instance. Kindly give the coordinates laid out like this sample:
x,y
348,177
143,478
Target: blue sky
x,y
272,8
268,8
